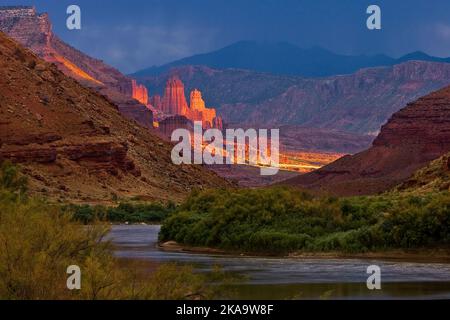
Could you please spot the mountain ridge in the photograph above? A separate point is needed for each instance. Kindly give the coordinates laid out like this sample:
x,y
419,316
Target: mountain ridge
x,y
360,103
295,61
34,30
412,138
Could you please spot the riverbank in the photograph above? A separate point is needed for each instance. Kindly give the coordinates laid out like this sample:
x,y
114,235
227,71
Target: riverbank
x,y
416,255
264,277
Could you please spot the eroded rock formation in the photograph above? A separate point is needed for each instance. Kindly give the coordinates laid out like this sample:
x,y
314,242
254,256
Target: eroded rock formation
x,y
74,145
34,31
414,136
172,123
199,112
174,103
156,102
139,92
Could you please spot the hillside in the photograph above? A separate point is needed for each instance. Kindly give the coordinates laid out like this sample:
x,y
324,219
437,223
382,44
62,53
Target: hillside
x,y
34,31
359,103
414,136
435,177
73,143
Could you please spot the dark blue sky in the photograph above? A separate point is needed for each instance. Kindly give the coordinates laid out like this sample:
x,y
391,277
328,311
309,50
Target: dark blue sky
x,y
134,34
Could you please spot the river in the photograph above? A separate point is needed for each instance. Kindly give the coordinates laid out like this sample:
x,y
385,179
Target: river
x,y
284,278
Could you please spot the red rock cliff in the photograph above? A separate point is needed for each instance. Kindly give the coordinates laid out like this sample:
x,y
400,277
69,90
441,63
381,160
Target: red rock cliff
x,y
174,100
414,136
72,142
199,112
139,92
174,103
34,31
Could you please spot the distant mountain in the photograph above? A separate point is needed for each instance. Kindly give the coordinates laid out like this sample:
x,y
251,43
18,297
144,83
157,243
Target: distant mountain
x,y
361,102
414,136
286,59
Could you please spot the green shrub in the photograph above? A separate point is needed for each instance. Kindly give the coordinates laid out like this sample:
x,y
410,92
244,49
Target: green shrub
x,y
124,212
38,241
280,220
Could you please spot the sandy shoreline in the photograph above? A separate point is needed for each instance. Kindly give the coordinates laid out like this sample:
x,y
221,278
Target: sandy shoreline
x,y
419,255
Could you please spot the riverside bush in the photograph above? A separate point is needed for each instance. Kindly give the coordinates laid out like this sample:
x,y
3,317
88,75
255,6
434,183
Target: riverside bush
x,y
124,212
38,241
281,220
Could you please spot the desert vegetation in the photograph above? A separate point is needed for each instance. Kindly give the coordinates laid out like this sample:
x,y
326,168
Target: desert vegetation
x,y
131,212
38,241
283,220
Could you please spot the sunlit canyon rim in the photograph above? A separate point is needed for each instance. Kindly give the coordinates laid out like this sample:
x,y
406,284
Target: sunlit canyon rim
x,y
252,99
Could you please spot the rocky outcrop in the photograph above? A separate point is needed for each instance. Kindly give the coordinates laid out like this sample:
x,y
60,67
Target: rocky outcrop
x,y
34,31
172,123
140,92
414,136
199,112
422,125
28,154
28,27
73,143
101,156
156,102
197,102
138,113
174,101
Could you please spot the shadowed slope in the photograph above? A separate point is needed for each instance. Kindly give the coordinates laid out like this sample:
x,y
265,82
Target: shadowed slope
x,y
412,138
73,142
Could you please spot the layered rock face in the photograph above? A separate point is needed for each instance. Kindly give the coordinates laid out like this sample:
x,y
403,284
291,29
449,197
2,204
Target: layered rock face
x,y
172,123
34,31
73,143
199,112
156,102
174,101
28,27
197,102
139,92
358,103
412,138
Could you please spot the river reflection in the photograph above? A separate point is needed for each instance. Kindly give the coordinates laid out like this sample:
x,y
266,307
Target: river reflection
x,y
276,278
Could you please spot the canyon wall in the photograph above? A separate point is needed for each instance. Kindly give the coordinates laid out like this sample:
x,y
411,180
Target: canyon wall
x,y
172,123
358,103
75,146
34,31
414,136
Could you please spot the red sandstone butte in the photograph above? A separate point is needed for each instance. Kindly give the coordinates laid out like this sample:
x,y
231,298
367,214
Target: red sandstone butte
x,y
414,136
174,103
139,92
